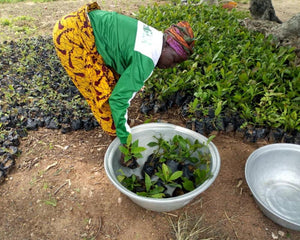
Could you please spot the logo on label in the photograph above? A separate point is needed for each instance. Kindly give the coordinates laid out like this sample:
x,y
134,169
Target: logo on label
x,y
146,34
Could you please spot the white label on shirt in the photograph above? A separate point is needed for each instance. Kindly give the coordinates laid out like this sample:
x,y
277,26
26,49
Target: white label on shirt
x,y
148,41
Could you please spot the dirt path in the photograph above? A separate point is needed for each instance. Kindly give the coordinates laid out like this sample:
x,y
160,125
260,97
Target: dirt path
x,y
59,189
44,15
286,9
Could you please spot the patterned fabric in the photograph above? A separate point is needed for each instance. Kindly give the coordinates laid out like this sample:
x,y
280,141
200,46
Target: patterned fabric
x,y
181,38
75,46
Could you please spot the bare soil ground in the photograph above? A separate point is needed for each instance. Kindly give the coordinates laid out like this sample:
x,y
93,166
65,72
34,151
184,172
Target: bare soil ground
x,y
59,189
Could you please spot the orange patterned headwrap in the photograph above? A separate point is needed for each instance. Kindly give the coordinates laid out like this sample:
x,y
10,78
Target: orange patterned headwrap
x,y
181,38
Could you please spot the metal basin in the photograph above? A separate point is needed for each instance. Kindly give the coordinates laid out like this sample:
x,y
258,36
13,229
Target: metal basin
x,y
273,175
144,133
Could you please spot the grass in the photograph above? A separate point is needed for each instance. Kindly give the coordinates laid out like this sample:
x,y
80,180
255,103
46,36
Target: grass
x,y
20,24
189,228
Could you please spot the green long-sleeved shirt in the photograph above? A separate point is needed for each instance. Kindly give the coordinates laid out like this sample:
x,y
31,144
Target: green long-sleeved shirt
x,y
132,49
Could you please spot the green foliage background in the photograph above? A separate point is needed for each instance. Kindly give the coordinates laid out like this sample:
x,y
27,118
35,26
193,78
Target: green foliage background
x,y
232,69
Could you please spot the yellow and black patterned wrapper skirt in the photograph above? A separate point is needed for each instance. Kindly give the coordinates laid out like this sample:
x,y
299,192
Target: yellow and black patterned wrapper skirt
x,y
75,46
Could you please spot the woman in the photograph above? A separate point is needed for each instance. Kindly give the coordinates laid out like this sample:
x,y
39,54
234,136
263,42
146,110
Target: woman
x,y
109,56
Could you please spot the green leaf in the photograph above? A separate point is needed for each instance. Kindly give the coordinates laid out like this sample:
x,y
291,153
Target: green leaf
x,y
294,115
157,189
127,158
124,150
143,194
174,185
243,77
175,175
152,144
129,140
133,177
158,195
166,171
216,55
218,109
210,139
138,149
208,69
134,145
121,178
188,184
148,182
138,155
182,143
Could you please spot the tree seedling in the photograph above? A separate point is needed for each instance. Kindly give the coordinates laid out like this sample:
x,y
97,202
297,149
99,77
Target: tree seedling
x,y
201,175
131,183
152,189
131,151
166,175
